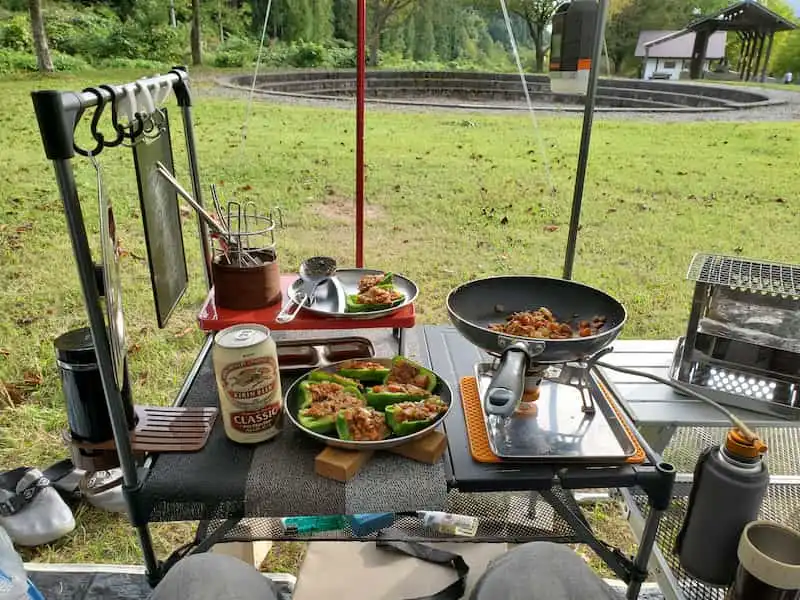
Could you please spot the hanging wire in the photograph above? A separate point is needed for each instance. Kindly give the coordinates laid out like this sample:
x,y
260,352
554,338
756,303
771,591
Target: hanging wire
x,y
253,84
531,110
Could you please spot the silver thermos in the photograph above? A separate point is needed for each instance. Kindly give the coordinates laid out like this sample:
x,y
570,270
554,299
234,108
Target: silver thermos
x,y
730,481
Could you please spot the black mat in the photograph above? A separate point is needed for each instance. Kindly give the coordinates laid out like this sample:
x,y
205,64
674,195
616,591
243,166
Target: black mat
x,y
227,480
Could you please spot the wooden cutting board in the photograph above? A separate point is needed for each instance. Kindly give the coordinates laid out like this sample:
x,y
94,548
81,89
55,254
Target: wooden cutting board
x,y
342,465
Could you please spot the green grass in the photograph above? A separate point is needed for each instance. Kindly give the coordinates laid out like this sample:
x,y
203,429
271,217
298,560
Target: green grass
x,y
451,197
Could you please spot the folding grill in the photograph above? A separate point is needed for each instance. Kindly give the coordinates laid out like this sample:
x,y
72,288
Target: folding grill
x,y
742,344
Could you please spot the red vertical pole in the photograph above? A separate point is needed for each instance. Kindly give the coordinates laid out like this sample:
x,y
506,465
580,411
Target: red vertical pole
x,y
361,92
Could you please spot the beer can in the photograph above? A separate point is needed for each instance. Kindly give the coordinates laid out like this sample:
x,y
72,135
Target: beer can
x,y
248,380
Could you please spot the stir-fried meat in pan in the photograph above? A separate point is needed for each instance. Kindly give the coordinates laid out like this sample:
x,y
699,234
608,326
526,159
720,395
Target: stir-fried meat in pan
x,y
419,411
405,372
366,424
379,295
369,281
405,388
543,325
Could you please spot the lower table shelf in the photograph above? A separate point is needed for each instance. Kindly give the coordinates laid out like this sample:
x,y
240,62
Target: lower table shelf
x,y
513,517
782,505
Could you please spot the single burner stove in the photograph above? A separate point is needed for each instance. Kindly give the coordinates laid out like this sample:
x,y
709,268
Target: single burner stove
x,y
565,415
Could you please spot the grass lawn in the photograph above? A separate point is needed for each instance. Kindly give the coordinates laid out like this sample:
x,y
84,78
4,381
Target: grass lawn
x,y
451,197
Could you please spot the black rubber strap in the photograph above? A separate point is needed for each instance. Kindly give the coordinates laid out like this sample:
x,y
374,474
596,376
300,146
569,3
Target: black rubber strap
x,y
455,590
20,500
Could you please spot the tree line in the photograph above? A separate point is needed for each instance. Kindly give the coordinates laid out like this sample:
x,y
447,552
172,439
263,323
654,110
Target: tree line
x,y
459,33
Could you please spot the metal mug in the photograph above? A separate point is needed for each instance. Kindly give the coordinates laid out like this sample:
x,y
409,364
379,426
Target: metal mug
x,y
769,563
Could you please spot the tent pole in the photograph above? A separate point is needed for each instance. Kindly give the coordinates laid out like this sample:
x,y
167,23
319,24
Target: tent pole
x,y
361,89
586,138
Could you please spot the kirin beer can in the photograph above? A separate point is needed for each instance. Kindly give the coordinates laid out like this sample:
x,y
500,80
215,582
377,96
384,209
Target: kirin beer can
x,y
248,380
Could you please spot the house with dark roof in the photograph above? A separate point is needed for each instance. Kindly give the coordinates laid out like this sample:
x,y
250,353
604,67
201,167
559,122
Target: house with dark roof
x,y
668,58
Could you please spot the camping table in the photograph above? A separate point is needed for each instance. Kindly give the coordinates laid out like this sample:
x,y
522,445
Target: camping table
x,y
238,491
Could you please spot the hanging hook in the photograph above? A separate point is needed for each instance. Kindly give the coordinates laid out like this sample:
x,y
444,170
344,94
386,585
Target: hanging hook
x,y
98,111
120,132
127,102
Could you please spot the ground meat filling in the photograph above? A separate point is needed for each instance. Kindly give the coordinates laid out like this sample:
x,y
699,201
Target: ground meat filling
x,y
401,388
324,390
404,372
369,281
418,411
363,364
366,424
541,324
327,399
331,406
378,295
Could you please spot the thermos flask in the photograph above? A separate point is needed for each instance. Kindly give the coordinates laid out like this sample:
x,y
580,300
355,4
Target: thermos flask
x,y
729,485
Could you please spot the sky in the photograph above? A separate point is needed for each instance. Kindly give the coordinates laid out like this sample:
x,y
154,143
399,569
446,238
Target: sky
x,y
796,5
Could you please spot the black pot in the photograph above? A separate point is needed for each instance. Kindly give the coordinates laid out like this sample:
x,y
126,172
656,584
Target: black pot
x,y
87,412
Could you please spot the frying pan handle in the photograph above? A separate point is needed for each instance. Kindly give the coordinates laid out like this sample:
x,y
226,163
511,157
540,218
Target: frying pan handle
x,y
508,383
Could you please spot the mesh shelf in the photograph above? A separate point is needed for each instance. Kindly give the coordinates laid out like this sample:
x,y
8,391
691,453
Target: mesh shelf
x,y
782,505
748,275
503,517
782,457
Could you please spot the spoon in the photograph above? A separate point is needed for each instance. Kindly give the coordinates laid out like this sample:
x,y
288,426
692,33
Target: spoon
x,y
313,272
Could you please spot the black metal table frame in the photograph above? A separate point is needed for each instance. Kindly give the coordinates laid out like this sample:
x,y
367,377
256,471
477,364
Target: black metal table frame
x,y
57,114
655,478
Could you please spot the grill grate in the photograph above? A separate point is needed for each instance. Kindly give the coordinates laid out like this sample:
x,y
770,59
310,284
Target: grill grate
x,y
780,505
747,275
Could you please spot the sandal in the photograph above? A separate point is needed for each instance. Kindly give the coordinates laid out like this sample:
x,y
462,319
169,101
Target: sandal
x,y
31,510
103,490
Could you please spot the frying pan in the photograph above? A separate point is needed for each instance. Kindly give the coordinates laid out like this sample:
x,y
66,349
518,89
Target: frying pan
x,y
475,305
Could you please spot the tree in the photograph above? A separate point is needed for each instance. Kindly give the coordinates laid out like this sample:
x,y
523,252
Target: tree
x,y
537,15
379,14
425,39
43,60
197,55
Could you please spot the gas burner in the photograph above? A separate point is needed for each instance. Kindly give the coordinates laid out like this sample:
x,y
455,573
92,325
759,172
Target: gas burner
x,y
571,374
563,416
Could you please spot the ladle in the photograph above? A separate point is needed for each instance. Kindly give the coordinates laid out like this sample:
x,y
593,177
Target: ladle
x,y
313,272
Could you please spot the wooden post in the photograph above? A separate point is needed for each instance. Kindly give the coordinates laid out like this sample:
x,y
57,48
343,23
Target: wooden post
x,y
745,54
699,54
757,64
767,57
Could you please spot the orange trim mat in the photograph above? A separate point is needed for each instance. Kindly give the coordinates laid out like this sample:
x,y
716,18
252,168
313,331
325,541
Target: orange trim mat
x,y
479,440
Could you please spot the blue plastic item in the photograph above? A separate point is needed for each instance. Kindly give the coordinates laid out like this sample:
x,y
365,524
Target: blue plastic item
x,y
368,523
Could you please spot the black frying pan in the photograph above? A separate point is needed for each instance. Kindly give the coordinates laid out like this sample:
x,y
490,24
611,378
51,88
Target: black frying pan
x,y
475,305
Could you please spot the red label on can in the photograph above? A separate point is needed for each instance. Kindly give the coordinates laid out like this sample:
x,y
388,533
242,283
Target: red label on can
x,y
255,421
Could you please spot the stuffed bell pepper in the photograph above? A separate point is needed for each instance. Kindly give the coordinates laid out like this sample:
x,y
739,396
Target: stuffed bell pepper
x,y
381,396
361,424
375,292
363,370
340,378
406,418
405,371
320,402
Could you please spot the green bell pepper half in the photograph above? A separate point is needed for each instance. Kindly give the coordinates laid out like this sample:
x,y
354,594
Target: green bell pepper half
x,y
364,374
382,398
343,428
353,305
304,392
348,381
403,428
316,424
432,380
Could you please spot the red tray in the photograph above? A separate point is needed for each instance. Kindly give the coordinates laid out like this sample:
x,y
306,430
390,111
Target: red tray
x,y
215,318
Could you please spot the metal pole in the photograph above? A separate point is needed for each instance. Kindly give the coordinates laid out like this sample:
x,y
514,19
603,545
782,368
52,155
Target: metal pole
x,y
361,92
586,138
91,298
646,544
194,172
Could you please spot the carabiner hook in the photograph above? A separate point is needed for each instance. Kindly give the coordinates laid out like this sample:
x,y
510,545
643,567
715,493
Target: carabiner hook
x,y
98,111
120,132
